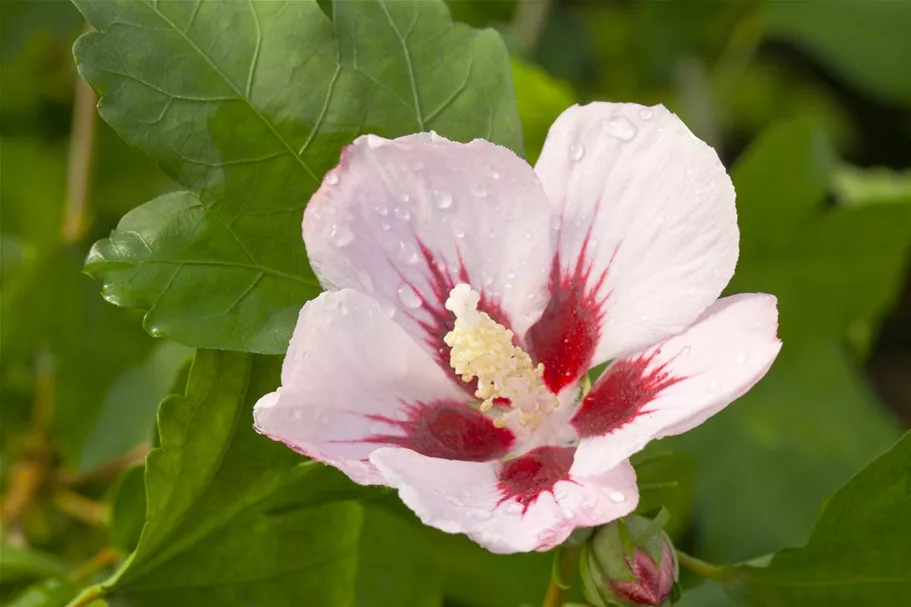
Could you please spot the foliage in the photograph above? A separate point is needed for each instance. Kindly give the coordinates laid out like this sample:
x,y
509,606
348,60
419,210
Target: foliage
x,y
131,472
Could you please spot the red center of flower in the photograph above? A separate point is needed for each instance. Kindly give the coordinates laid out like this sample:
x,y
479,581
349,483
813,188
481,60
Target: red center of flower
x,y
565,337
526,477
447,430
620,395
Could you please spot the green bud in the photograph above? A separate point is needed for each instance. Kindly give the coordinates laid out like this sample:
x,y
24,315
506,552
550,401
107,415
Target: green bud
x,y
631,562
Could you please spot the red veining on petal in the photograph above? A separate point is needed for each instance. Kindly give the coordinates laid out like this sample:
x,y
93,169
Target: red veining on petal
x,y
620,395
565,337
526,477
447,430
438,321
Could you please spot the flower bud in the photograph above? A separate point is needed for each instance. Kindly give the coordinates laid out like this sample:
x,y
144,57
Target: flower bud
x,y
630,563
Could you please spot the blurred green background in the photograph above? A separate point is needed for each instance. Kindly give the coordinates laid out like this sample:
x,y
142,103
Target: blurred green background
x,y
807,102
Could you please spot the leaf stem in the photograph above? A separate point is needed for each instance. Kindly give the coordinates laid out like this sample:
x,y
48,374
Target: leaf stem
x,y
79,162
701,568
528,22
568,556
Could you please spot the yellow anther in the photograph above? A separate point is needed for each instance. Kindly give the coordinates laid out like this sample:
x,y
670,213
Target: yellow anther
x,y
482,349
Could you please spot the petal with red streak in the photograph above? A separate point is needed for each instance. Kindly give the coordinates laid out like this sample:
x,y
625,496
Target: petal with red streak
x,y
647,237
676,385
353,381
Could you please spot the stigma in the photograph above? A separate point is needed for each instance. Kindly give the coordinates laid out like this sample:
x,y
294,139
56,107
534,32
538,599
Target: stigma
x,y
482,349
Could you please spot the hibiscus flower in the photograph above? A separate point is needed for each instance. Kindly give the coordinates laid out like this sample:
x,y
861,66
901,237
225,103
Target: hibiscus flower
x,y
468,295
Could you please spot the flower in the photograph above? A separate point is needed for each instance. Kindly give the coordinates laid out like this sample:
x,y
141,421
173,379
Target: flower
x,y
468,295
640,569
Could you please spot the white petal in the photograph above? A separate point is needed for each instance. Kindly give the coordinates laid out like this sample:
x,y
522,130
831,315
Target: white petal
x,y
405,220
467,497
354,381
647,222
676,385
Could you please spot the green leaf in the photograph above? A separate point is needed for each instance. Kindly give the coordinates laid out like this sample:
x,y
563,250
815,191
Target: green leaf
x,y
858,551
768,460
218,529
864,42
396,565
666,480
17,564
128,509
128,413
255,104
52,592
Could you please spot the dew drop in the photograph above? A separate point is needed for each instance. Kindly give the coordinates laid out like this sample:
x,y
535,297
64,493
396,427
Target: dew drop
x,y
402,213
576,152
478,190
409,297
621,128
547,536
589,503
645,113
381,210
644,318
341,235
616,496
443,199
332,178
713,386
375,141
742,357
479,514
561,493
459,234
405,197
569,514
514,508
385,226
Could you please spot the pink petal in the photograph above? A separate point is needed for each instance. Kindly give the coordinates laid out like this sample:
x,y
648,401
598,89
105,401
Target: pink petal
x,y
530,503
406,220
676,385
647,234
353,381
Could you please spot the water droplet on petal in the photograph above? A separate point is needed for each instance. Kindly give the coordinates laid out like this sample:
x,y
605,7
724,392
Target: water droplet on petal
x,y
405,197
385,226
402,213
514,508
589,503
382,210
443,199
459,234
742,357
569,514
576,152
332,178
621,128
375,141
616,496
645,113
479,514
409,297
478,190
341,235
713,386
546,536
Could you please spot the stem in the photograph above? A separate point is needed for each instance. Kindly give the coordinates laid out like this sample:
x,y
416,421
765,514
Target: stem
x,y
554,596
105,557
528,23
701,568
79,162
